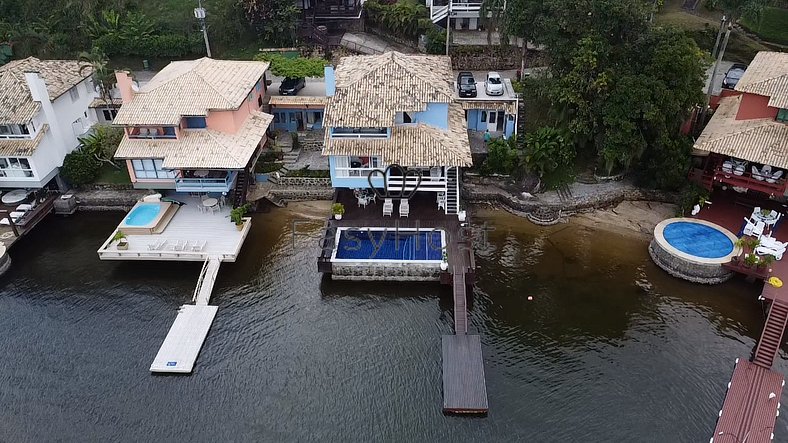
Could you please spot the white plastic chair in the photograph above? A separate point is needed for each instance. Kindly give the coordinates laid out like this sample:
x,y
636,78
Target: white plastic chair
x,y
756,174
404,208
776,176
388,207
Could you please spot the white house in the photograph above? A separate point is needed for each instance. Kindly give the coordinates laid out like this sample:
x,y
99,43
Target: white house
x,y
43,109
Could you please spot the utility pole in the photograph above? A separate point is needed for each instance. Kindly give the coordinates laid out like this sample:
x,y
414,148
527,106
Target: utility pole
x,y
448,26
199,14
718,59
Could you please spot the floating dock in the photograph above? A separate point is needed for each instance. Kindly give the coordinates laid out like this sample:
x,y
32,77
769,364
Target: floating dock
x,y
184,341
464,390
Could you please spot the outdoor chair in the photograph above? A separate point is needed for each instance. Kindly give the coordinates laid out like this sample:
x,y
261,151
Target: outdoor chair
x,y
756,174
388,207
754,229
404,208
777,253
776,176
727,167
199,246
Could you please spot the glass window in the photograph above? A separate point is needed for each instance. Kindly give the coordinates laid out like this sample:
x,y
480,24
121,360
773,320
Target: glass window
x,y
195,122
169,130
484,116
151,168
276,117
16,167
782,115
74,93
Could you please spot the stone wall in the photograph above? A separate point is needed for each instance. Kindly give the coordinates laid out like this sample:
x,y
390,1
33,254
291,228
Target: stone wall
x,y
106,186
304,182
485,58
386,272
709,274
311,140
302,194
108,200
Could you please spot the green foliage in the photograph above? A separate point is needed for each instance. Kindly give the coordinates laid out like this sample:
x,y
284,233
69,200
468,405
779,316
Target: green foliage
x,y
403,18
436,39
102,142
501,156
337,209
666,163
237,214
6,52
310,173
547,150
274,20
771,25
689,196
118,235
80,168
267,167
293,67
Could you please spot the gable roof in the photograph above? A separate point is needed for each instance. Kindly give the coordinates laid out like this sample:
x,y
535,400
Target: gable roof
x,y
767,75
191,87
760,140
371,89
16,104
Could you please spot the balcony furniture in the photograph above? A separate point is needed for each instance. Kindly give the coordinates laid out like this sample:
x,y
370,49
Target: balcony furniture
x,y
210,202
144,132
201,173
199,246
24,207
441,200
404,208
435,172
15,196
388,207
157,245
756,174
777,253
774,177
769,218
754,228
727,167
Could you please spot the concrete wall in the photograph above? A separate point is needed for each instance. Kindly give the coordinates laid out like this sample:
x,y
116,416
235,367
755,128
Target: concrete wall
x,y
755,106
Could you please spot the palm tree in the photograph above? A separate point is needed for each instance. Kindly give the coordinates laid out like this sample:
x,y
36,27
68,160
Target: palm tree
x,y
104,78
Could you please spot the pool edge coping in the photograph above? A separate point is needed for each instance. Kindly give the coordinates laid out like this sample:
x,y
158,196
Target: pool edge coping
x,y
659,237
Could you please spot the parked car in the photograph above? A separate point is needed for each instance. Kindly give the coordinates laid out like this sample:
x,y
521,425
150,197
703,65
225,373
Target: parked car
x,y
291,86
466,84
733,75
494,84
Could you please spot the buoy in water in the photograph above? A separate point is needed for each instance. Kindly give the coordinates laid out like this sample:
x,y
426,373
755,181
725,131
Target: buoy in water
x,y
530,298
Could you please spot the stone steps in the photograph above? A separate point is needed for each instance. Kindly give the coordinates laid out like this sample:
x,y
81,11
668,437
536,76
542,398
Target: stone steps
x,y
544,216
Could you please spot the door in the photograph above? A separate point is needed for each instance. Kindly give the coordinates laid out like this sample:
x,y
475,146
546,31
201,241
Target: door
x,y
492,120
501,121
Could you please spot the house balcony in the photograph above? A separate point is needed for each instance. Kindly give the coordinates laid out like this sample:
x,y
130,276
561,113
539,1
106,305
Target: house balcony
x,y
439,9
746,180
205,181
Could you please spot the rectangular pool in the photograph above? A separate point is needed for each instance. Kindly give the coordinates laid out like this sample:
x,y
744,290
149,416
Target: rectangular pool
x,y
382,245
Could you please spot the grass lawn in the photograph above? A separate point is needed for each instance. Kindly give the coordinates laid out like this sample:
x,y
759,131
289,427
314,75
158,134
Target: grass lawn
x,y
772,27
110,175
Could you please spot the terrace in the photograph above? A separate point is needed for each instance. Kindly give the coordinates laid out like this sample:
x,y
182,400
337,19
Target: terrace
x,y
205,181
191,234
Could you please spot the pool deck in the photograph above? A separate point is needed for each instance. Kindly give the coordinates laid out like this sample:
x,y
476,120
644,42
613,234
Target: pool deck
x,y
222,238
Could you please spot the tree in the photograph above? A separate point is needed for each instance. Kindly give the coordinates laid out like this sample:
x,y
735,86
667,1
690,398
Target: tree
x,y
80,168
546,150
501,156
293,67
274,20
104,78
101,143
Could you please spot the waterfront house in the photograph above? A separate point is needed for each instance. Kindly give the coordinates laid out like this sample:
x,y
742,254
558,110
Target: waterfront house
x,y
43,110
396,109
745,144
496,115
195,127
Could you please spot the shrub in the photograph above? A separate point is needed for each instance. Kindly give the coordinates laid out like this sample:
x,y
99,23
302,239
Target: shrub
x,y
690,196
266,167
400,18
309,173
80,168
501,157
436,39
547,150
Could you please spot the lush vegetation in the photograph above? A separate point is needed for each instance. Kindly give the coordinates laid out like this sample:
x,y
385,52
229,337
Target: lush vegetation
x,y
547,150
267,167
309,173
80,168
408,19
101,144
770,25
502,157
293,67
275,20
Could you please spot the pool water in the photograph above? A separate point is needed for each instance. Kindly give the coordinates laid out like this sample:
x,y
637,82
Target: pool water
x,y
363,244
143,215
698,239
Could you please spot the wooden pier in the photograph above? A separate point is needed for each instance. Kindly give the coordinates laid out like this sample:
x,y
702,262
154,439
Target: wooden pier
x,y
180,349
464,390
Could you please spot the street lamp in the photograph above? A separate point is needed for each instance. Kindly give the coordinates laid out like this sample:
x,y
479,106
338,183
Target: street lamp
x,y
199,14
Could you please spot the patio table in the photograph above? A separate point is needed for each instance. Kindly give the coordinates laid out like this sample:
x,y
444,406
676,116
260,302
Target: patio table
x,y
769,218
201,173
210,202
15,196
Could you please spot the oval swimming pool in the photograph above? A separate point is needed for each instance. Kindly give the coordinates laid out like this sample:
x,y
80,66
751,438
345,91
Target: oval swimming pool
x,y
143,214
698,239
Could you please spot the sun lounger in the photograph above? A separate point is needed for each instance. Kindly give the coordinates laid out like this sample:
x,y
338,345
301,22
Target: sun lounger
x,y
24,207
773,243
404,208
388,207
199,246
776,253
754,228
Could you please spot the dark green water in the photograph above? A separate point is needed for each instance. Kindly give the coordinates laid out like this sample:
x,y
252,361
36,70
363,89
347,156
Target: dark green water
x,y
610,349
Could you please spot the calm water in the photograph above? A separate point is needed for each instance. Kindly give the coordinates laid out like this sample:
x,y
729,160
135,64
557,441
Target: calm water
x,y
610,349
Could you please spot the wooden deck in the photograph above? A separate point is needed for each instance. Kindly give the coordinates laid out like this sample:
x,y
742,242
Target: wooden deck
x,y
751,405
464,390
184,340
460,303
9,234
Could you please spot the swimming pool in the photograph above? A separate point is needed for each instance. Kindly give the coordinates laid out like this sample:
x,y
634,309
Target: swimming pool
x,y
389,245
143,214
698,239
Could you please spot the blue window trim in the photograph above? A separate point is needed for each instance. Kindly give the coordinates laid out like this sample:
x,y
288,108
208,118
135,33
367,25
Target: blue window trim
x,y
195,122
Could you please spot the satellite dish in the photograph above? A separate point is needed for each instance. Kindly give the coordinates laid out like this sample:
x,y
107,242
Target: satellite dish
x,y
135,87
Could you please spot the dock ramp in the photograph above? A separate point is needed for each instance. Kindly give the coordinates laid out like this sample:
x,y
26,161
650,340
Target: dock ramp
x,y
464,390
182,345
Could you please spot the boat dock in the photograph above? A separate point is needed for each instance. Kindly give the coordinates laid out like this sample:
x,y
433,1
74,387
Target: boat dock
x,y
185,339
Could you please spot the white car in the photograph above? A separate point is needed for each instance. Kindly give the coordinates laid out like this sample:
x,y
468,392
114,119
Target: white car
x,y
494,84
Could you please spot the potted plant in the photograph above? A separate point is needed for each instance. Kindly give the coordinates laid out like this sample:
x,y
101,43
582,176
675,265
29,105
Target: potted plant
x,y
338,209
765,261
461,215
445,261
237,215
123,242
750,260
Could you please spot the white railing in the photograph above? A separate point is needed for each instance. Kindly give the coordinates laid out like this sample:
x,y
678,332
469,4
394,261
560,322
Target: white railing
x,y
411,183
17,136
438,13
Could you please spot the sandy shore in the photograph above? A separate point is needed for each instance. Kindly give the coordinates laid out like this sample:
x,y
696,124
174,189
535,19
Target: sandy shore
x,y
636,218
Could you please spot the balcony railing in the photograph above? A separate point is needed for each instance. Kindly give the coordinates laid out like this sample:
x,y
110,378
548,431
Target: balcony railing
x,y
17,136
749,181
206,184
150,136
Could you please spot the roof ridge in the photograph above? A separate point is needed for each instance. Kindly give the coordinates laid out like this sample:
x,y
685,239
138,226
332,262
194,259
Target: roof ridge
x,y
399,61
203,60
764,81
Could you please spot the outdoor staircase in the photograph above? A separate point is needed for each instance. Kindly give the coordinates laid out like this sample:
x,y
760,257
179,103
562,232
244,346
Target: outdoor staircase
x,y
239,193
772,335
438,13
452,191
291,157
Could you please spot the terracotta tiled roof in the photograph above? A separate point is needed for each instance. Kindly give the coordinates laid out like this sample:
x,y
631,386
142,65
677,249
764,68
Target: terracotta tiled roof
x,y
413,145
767,75
205,148
191,87
760,140
102,103
296,100
16,103
22,148
509,107
371,89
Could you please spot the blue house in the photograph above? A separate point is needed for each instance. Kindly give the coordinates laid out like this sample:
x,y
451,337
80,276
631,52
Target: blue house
x,y
396,109
296,113
497,114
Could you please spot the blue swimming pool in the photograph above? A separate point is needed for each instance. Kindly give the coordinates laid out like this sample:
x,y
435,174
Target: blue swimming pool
x,y
143,214
378,244
698,239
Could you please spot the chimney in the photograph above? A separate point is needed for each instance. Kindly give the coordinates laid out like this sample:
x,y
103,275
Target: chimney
x,y
331,83
125,84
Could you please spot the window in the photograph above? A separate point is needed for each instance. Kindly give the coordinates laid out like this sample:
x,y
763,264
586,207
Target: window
x,y
194,122
74,93
260,101
15,167
360,132
782,115
109,114
356,166
258,86
403,117
276,117
151,168
484,116
14,131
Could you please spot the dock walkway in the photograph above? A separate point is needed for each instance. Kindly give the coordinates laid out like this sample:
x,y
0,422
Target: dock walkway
x,y
464,390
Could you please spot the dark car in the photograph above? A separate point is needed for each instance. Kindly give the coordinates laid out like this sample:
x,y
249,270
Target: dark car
x,y
733,75
466,84
291,86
